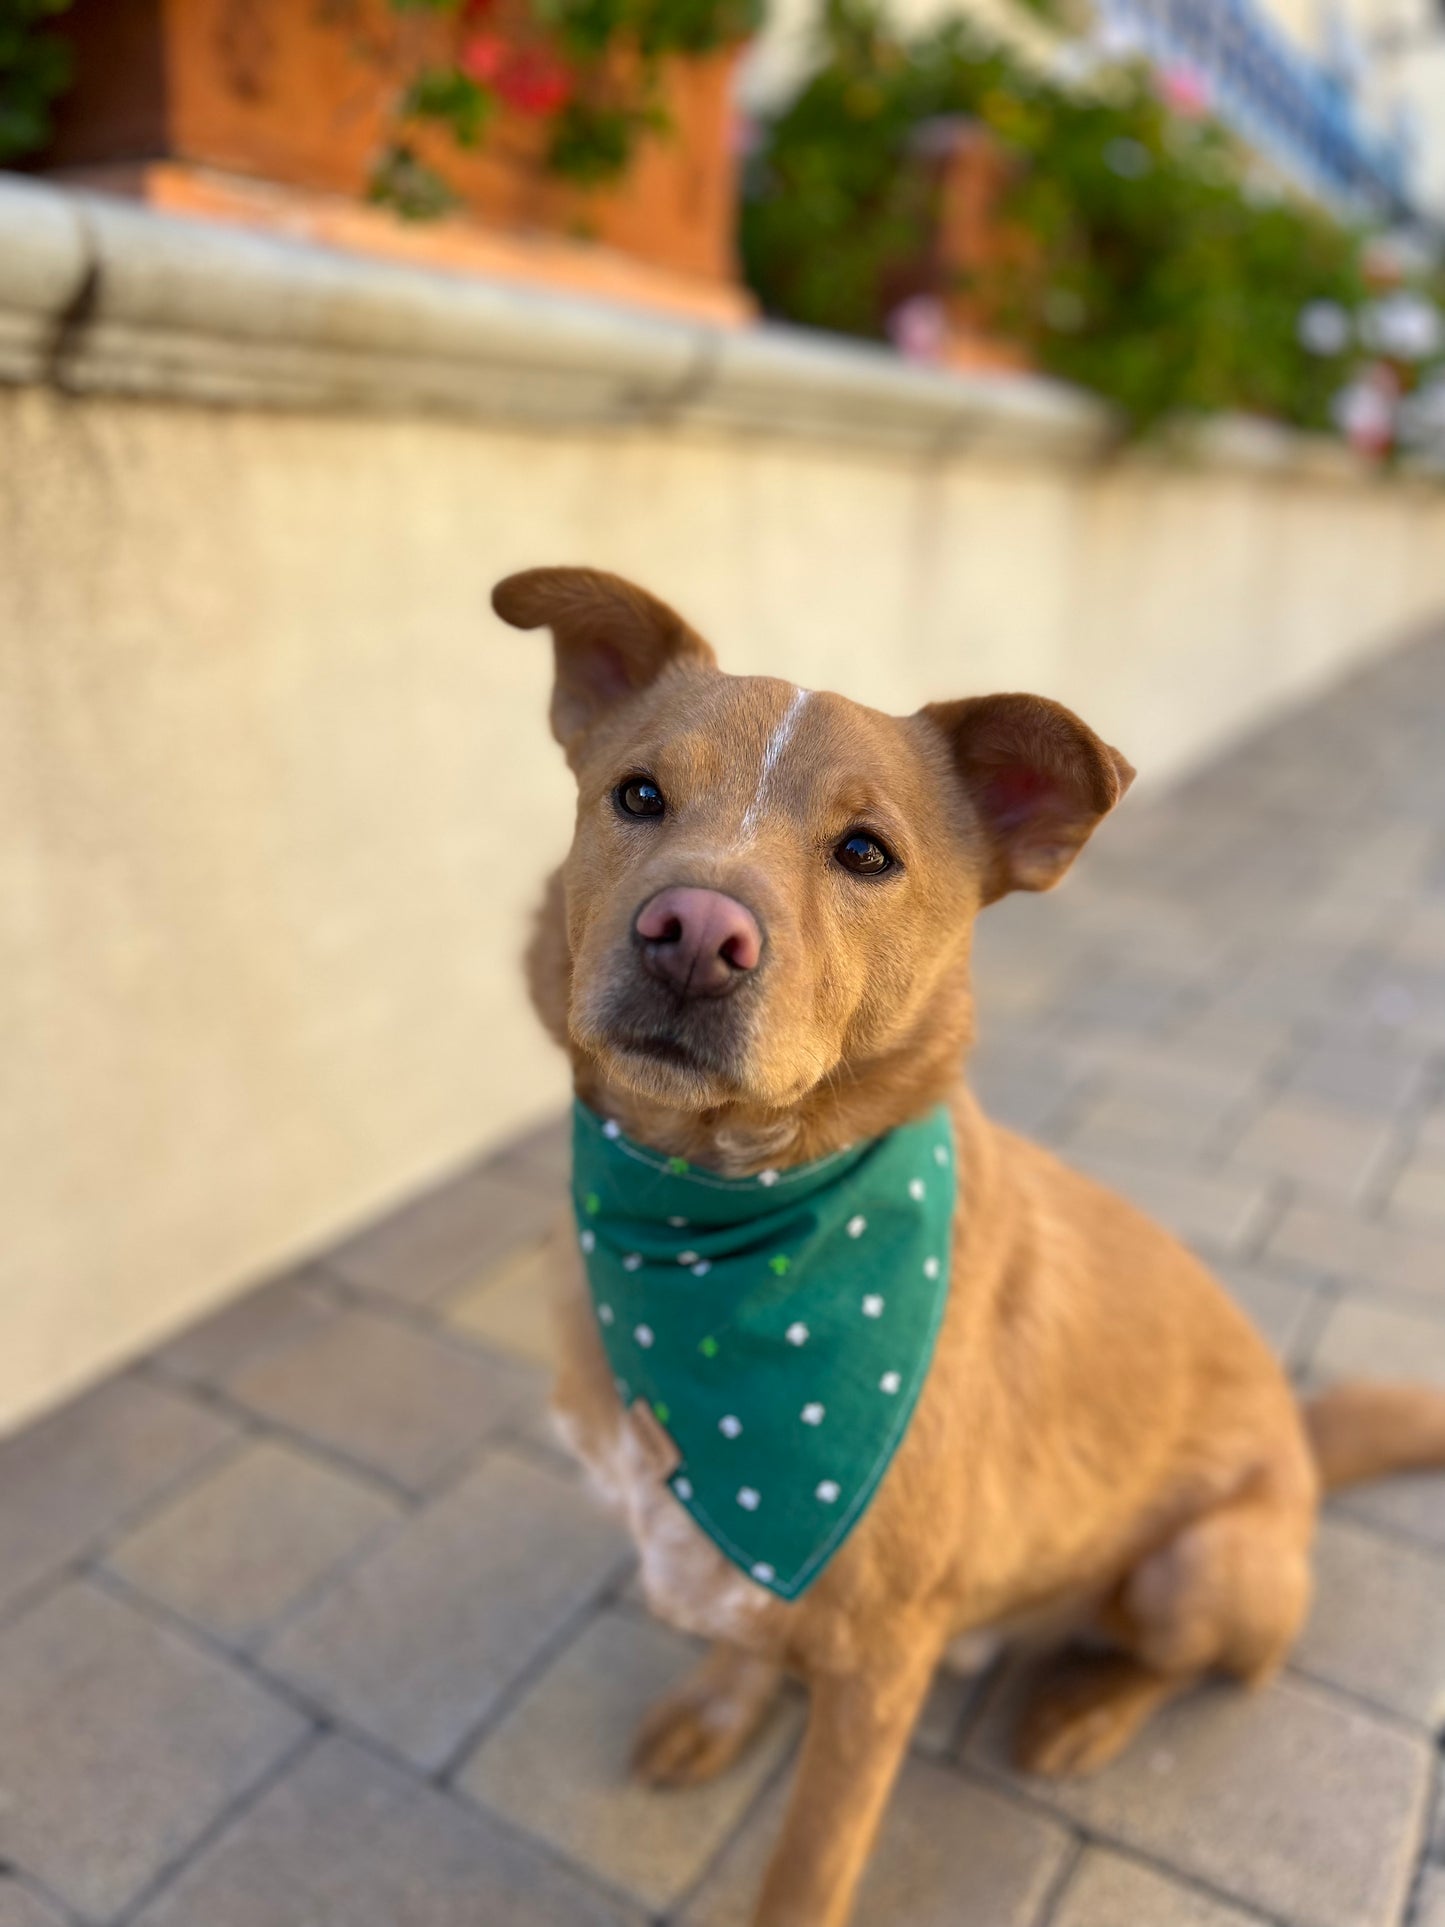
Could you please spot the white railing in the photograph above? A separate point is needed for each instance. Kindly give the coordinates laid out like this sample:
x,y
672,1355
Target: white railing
x,y
1295,111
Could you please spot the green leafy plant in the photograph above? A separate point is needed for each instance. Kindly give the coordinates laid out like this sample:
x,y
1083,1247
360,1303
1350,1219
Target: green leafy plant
x,y
1142,261
34,72
588,70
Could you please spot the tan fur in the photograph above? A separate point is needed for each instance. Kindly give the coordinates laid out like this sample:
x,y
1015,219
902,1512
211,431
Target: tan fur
x,y
1103,1439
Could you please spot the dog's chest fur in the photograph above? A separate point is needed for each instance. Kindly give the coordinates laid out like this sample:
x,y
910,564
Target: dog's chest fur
x,y
686,1580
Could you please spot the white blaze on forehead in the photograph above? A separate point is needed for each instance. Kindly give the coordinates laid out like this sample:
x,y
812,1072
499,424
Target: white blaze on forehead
x,y
782,735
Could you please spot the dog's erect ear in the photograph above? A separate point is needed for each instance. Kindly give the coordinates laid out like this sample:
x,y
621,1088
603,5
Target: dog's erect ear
x,y
1039,779
610,638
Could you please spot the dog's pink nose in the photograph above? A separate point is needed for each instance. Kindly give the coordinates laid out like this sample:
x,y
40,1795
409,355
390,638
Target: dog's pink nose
x,y
699,941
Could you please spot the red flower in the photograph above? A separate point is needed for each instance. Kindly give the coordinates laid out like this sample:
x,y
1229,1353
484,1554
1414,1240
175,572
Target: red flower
x,y
529,79
484,58
535,82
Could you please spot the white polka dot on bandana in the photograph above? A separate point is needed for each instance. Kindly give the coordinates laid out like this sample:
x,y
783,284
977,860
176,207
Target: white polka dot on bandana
x,y
828,1491
643,1335
612,1128
604,1312
702,1268
812,1413
856,1227
797,1334
767,1177
588,1242
889,1382
940,1154
687,1257
748,1499
930,1267
633,1261
873,1306
683,1488
730,1426
678,1224
916,1189
764,1573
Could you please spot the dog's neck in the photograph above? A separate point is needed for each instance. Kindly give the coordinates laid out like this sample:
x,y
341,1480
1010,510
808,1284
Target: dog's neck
x,y
737,1140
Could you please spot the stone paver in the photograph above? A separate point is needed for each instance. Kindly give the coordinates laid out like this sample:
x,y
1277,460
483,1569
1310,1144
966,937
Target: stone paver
x,y
435,1244
1119,999
1330,1244
1430,1901
258,1321
346,1840
1234,1012
540,1160
417,1642
1156,1107
1219,1211
1418,1196
1023,1085
241,1547
557,1764
951,1854
19,1907
1329,1148
1289,1800
120,1743
392,1398
1373,1081
1377,1627
1412,1506
1284,1309
73,1478
510,1308
1363,1338
943,1713
1106,1890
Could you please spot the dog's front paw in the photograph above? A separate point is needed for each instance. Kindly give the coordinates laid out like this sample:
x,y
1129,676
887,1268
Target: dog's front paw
x,y
705,1723
681,1744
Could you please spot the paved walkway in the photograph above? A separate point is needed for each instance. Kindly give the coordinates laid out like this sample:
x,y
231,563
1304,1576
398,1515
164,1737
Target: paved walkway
x,y
303,1623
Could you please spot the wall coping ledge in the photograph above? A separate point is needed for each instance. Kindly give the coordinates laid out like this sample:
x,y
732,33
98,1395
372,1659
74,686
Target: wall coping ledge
x,y
99,296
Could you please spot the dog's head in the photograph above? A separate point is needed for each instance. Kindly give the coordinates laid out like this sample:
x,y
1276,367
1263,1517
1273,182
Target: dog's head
x,y
769,887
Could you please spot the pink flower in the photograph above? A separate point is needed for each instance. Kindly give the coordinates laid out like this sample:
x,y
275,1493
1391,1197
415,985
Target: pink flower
x,y
1185,91
745,136
1365,410
918,328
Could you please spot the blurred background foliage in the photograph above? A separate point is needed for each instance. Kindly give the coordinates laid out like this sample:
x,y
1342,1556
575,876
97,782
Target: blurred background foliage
x,y
587,69
1133,246
34,72
1153,268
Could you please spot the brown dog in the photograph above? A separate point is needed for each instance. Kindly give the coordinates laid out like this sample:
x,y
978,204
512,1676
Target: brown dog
x,y
756,953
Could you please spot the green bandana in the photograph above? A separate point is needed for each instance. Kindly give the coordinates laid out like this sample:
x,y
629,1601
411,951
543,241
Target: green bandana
x,y
778,1327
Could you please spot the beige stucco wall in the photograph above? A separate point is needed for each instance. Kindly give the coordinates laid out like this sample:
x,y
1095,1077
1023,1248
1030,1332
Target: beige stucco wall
x,y
276,793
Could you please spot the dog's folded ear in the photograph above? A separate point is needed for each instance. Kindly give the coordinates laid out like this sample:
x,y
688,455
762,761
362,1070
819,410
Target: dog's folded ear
x,y
610,638
1039,781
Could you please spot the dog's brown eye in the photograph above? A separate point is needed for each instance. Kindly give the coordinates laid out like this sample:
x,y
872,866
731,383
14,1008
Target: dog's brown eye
x,y
640,796
863,855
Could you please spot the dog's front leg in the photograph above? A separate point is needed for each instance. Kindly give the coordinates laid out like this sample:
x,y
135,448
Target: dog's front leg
x,y
859,1726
